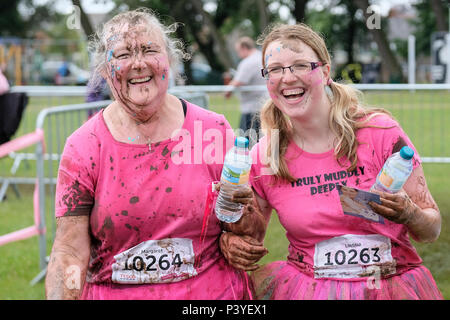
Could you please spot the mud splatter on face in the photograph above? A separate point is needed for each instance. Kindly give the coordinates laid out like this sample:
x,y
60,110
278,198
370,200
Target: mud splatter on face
x,y
138,53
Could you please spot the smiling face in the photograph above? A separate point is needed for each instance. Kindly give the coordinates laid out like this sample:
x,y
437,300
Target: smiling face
x,y
297,94
137,69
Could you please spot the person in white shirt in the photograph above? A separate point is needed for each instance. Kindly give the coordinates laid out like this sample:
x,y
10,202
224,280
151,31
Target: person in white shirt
x,y
248,74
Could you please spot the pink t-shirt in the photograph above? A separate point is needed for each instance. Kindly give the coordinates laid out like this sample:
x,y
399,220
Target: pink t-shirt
x,y
146,207
321,236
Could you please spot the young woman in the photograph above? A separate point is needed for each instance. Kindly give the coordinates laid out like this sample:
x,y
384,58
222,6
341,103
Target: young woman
x,y
326,139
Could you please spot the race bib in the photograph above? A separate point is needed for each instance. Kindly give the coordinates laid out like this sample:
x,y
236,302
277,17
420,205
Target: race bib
x,y
155,261
350,256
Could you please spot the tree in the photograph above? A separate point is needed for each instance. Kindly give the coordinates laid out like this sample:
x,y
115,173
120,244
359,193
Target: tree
x,y
439,12
207,29
214,34
84,20
425,24
391,65
263,14
11,23
300,10
341,28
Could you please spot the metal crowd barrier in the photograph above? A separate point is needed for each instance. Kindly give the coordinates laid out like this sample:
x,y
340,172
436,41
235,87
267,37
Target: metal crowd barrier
x,y
422,110
42,97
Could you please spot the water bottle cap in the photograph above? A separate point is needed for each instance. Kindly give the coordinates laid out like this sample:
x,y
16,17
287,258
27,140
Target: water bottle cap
x,y
406,153
241,142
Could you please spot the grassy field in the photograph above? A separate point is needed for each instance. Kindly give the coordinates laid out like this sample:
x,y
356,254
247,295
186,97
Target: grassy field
x,y
19,261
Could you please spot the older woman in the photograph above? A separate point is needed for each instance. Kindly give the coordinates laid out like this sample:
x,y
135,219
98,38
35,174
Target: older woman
x,y
327,138
133,183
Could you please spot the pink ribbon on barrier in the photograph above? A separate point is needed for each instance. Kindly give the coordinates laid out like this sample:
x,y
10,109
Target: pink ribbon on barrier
x,y
12,146
21,142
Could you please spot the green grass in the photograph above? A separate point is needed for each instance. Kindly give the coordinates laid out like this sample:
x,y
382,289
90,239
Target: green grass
x,y
424,118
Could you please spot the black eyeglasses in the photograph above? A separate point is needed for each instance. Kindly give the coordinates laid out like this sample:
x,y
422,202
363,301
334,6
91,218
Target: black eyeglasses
x,y
297,69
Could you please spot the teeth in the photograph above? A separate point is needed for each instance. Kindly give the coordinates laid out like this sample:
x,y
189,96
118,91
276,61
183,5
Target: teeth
x,y
289,92
140,80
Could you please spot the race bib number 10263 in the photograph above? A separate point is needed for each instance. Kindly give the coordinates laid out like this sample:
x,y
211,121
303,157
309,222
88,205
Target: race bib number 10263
x,y
348,256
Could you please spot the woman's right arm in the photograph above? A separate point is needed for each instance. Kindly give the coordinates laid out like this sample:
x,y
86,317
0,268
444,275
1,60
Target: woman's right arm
x,y
66,271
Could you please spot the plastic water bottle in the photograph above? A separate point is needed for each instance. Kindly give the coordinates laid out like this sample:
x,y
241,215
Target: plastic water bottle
x,y
235,174
395,172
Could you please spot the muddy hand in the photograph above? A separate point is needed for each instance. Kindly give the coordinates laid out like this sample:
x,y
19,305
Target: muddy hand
x,y
242,252
252,222
397,207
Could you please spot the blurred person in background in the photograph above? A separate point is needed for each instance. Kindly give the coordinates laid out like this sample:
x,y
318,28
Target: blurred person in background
x,y
248,74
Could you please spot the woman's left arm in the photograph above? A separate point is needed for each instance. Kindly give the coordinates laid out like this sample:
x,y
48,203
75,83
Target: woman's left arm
x,y
414,207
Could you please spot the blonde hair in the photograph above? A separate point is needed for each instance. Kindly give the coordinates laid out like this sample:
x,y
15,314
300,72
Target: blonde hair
x,y
98,43
346,115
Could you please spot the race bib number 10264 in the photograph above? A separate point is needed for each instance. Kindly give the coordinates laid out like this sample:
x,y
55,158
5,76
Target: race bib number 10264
x,y
155,261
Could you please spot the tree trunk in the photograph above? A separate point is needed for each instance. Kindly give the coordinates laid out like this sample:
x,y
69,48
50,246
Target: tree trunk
x,y
263,15
300,10
217,38
351,33
389,59
438,9
85,23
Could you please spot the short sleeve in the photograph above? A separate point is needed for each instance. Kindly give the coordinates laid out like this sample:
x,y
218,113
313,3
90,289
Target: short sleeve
x,y
390,138
75,183
243,72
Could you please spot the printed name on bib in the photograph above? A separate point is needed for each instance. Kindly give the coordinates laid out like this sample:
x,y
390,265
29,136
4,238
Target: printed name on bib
x,y
349,256
155,261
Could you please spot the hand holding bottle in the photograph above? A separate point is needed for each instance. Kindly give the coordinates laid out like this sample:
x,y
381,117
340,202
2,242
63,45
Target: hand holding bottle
x,y
235,175
397,207
243,245
252,222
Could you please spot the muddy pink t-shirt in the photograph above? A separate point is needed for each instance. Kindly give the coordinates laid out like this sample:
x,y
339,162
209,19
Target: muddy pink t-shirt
x,y
146,208
324,242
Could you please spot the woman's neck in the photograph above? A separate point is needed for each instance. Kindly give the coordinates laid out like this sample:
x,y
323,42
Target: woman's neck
x,y
167,118
313,133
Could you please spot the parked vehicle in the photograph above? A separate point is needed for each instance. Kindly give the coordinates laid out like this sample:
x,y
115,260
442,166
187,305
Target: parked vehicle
x,y
203,74
63,73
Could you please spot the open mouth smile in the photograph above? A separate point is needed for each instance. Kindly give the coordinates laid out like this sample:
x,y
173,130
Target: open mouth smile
x,y
293,94
140,80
